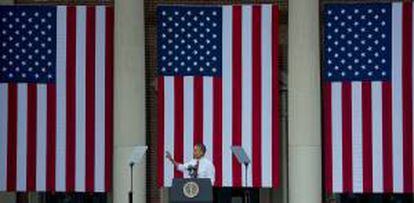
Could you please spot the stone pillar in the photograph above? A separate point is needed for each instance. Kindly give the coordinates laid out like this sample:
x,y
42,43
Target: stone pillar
x,y
305,165
129,101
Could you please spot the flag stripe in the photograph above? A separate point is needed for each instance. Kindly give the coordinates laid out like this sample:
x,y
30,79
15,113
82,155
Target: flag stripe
x,y
41,138
71,112
237,91
12,137
21,137
407,95
347,136
100,145
188,118
357,126
51,136
367,136
247,90
178,122
161,135
207,115
266,93
257,96
217,130
31,136
397,98
275,97
10,166
169,128
387,137
410,83
80,138
377,138
61,116
90,98
3,136
109,95
198,110
337,145
227,83
411,124
327,131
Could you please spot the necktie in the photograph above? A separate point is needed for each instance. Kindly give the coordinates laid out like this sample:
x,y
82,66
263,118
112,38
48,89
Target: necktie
x,y
196,173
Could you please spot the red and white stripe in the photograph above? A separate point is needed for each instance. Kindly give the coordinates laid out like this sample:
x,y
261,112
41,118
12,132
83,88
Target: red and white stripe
x,y
368,126
58,137
238,108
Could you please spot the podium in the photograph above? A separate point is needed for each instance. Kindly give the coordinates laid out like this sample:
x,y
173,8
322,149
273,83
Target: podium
x,y
191,190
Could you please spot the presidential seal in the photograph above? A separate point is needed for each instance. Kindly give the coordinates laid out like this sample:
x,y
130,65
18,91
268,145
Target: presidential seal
x,y
191,189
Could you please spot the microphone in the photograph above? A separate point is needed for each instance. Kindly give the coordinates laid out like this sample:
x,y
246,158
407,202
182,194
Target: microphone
x,y
192,171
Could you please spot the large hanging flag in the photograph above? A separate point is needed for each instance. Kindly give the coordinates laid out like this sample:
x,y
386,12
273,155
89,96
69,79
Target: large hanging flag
x,y
218,85
368,98
56,89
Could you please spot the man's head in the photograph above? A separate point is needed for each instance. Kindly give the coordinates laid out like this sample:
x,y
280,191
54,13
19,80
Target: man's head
x,y
199,151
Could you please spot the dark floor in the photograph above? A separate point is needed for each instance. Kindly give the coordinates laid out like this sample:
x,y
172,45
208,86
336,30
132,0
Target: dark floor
x,y
375,198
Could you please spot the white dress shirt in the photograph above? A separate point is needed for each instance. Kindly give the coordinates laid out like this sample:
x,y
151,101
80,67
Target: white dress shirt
x,y
205,168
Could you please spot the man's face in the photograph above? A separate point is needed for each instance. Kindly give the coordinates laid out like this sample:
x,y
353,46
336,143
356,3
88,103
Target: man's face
x,y
198,153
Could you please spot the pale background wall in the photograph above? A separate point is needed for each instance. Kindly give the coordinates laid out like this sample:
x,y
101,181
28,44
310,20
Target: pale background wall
x,y
305,165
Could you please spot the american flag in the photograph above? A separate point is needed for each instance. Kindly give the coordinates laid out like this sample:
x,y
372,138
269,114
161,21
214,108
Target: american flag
x,y
218,85
56,89
368,98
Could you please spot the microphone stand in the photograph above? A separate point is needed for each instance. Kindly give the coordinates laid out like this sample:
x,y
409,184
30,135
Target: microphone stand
x,y
243,159
246,192
136,157
130,194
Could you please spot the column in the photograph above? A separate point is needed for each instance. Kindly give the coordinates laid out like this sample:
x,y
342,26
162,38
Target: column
x,y
129,101
305,165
